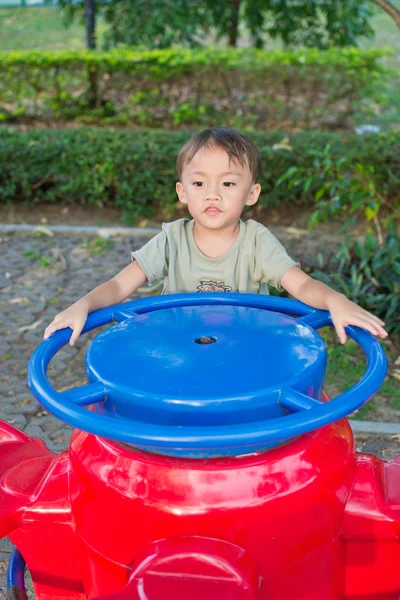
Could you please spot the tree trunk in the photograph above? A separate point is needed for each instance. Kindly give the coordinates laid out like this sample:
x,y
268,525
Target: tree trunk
x,y
390,9
93,91
234,24
90,20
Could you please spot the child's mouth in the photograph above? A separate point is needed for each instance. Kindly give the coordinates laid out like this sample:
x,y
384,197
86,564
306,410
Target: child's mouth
x,y
213,210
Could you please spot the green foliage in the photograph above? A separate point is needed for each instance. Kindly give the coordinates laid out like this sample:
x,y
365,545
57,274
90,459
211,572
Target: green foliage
x,y
35,256
135,170
162,23
149,23
344,185
153,23
350,185
314,23
245,88
368,273
98,245
335,173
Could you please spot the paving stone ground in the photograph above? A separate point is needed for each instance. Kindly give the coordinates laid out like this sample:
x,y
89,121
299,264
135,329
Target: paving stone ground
x,y
40,275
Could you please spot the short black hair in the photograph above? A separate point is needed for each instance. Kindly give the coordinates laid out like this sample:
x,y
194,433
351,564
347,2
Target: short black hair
x,y
237,145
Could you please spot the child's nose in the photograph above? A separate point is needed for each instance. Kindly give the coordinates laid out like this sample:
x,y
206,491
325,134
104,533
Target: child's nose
x,y
212,194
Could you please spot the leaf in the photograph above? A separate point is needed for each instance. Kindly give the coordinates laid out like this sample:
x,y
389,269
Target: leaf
x,y
289,173
282,146
22,300
44,230
34,325
370,213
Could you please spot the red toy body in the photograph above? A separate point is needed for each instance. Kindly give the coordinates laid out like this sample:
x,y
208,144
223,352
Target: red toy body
x,y
308,520
200,481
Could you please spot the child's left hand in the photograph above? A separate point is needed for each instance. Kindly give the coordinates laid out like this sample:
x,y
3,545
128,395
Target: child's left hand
x,y
344,312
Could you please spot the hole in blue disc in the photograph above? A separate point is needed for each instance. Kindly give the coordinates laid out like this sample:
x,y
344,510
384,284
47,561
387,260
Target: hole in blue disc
x,y
205,339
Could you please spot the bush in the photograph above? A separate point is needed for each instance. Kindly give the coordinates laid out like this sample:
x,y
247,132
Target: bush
x,y
179,87
369,273
135,170
351,182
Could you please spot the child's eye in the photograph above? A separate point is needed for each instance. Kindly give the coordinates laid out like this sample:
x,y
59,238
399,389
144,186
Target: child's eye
x,y
197,183
228,183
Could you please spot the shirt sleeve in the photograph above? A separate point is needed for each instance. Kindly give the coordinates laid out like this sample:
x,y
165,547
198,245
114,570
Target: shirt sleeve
x,y
153,257
271,259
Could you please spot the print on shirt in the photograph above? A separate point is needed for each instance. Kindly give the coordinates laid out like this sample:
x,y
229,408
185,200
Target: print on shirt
x,y
213,286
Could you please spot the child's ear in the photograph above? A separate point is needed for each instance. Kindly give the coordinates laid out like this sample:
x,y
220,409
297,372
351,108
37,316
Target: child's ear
x,y
254,194
181,192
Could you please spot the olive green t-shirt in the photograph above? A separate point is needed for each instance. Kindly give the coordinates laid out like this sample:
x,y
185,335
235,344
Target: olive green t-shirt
x,y
256,259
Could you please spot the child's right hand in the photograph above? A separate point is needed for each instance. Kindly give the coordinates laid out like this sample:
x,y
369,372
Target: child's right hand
x,y
74,317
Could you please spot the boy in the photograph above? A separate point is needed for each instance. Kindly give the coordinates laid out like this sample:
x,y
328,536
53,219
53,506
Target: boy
x,y
216,251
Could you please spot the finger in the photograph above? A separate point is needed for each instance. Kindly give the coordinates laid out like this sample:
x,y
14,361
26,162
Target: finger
x,y
370,326
53,327
49,330
341,333
377,331
378,320
374,318
76,332
366,324
380,331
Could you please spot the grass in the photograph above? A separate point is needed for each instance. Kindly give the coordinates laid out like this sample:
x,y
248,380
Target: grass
x,y
42,261
387,35
40,28
98,244
346,365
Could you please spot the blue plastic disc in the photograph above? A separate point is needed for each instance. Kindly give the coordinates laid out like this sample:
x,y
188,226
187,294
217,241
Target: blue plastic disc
x,y
208,365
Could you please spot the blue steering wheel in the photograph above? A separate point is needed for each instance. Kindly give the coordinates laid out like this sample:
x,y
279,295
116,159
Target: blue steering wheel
x,y
288,413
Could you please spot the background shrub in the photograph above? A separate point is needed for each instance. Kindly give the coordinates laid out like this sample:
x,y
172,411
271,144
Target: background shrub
x,y
181,87
135,169
369,274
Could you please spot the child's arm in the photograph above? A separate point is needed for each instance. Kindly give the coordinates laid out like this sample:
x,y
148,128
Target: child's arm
x,y
343,311
111,292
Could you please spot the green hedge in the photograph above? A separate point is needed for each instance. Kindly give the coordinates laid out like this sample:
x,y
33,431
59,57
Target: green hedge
x,y
135,170
179,87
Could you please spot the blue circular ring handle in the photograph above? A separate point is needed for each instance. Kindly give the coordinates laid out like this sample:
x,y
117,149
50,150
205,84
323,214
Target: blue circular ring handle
x,y
306,415
16,574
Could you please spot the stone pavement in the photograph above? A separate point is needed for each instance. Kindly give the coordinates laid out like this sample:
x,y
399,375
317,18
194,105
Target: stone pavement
x,y
40,275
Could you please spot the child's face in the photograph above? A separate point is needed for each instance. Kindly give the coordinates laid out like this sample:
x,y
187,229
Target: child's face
x,y
216,189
